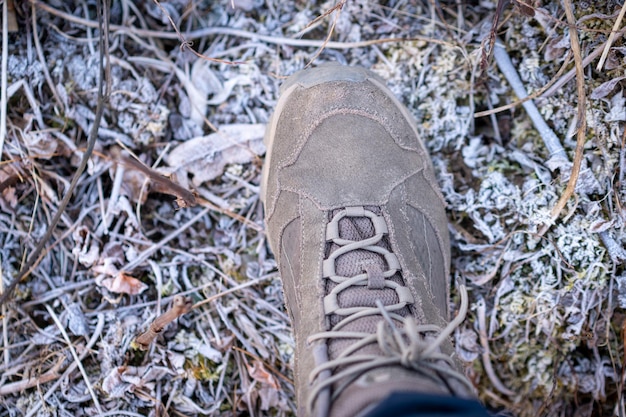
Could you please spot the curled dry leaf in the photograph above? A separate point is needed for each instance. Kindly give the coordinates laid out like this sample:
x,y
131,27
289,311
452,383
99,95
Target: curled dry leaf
x,y
85,248
205,157
123,379
258,372
8,195
122,283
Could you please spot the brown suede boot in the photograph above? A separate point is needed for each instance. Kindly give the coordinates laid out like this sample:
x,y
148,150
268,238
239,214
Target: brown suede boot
x,y
357,223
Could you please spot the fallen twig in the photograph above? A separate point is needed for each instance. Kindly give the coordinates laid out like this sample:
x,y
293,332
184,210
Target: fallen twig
x,y
510,73
490,40
180,306
146,253
570,74
484,342
581,119
532,96
4,76
336,8
33,381
274,40
185,45
184,197
42,59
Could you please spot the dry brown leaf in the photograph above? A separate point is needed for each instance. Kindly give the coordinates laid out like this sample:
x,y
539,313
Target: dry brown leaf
x,y
8,196
258,372
122,284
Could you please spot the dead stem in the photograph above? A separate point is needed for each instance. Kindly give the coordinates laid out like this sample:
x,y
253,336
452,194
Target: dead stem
x,y
33,381
486,354
581,117
337,9
42,59
180,305
185,198
532,96
185,45
3,75
557,86
489,42
153,248
77,359
274,40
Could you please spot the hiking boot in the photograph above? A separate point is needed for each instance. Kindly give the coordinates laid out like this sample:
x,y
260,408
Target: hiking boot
x,y
356,221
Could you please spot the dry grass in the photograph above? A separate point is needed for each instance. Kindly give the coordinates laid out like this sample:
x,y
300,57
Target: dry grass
x,y
167,204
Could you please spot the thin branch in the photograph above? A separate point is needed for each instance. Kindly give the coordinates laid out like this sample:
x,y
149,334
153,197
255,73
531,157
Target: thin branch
x,y
484,342
489,42
180,305
33,381
273,40
510,73
42,59
337,9
4,76
146,253
582,121
229,291
532,96
185,45
3,130
184,197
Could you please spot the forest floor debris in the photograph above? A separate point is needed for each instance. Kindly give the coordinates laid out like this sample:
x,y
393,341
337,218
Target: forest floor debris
x,y
168,205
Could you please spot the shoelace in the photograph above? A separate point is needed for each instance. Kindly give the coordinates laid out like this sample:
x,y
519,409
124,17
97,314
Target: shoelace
x,y
412,346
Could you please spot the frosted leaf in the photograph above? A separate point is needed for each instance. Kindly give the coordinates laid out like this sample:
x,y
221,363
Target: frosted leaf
x,y
605,88
76,320
205,157
521,158
113,384
39,144
120,283
475,152
617,112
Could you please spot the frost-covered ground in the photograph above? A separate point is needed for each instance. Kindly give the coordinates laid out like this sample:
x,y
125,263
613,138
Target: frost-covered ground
x,y
547,294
